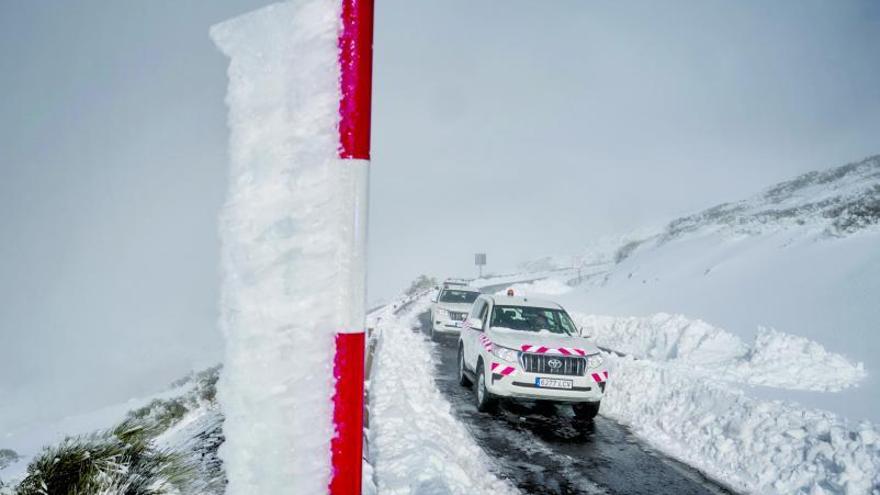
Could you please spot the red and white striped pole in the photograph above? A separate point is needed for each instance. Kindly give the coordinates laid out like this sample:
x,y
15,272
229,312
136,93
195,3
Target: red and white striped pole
x,y
356,65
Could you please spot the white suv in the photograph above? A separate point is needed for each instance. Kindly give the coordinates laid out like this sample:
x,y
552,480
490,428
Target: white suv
x,y
450,308
525,348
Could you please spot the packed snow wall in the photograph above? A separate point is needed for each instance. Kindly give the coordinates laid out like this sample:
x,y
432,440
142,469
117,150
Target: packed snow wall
x,y
292,231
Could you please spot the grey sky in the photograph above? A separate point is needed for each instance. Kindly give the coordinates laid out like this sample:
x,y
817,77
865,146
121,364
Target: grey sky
x,y
519,128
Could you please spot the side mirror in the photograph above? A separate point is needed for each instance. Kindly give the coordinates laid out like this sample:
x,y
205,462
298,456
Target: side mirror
x,y
584,332
476,324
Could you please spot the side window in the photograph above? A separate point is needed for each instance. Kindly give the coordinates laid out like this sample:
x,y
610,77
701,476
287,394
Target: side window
x,y
478,308
567,324
483,313
552,320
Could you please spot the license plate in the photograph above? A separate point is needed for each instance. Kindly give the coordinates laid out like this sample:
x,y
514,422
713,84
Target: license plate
x,y
553,383
454,323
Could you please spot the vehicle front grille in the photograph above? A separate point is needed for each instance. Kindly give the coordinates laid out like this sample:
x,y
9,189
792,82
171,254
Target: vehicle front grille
x,y
456,316
565,365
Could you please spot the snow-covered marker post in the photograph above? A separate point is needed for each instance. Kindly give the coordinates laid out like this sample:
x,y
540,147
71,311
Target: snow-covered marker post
x,y
356,65
293,234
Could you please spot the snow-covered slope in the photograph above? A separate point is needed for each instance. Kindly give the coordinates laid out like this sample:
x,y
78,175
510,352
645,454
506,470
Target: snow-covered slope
x,y
836,202
802,257
184,421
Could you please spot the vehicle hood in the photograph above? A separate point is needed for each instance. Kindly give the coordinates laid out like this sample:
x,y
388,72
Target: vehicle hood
x,y
514,339
457,307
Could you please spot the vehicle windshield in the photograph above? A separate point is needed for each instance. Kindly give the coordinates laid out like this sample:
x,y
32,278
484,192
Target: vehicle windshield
x,y
533,319
458,296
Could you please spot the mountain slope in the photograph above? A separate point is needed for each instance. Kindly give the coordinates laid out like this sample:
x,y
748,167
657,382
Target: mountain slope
x,y
835,202
802,256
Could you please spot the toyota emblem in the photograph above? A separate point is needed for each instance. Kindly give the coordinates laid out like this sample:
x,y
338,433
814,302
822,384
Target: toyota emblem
x,y
554,363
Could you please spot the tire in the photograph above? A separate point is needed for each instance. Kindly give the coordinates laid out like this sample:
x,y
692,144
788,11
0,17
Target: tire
x,y
434,335
463,380
485,401
586,411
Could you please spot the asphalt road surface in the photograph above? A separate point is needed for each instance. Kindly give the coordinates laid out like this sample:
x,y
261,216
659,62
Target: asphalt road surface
x,y
541,449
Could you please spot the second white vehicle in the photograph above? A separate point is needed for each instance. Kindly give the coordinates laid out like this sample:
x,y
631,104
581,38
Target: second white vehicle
x,y
450,308
525,348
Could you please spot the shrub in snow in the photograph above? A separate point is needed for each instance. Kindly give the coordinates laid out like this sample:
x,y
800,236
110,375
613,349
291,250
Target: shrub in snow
x,y
122,461
7,457
168,446
160,414
626,250
422,283
856,214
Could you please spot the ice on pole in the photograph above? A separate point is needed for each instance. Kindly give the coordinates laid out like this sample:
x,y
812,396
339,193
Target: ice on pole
x,y
291,230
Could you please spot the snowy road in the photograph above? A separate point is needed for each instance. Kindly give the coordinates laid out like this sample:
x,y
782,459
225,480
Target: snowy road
x,y
538,448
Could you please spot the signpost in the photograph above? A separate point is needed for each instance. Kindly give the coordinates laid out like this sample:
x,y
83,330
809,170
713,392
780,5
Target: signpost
x,y
480,261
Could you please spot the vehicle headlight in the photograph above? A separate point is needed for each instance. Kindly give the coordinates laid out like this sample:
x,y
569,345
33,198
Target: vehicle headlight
x,y
441,313
594,361
505,354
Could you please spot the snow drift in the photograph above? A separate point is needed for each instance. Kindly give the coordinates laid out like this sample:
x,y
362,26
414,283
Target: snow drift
x,y
756,446
286,231
774,359
416,444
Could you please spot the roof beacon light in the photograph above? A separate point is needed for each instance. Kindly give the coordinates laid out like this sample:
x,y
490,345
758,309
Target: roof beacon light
x,y
510,292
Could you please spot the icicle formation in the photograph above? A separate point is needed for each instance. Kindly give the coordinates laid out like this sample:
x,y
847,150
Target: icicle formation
x,y
284,229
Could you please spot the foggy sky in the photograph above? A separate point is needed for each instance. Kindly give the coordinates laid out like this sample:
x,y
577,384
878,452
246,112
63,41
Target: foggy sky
x,y
518,128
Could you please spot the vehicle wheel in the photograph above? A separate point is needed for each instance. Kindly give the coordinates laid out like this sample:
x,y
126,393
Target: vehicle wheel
x,y
463,380
433,334
586,411
485,401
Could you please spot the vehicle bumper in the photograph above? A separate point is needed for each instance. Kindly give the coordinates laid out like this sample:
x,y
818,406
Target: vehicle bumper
x,y
447,327
518,384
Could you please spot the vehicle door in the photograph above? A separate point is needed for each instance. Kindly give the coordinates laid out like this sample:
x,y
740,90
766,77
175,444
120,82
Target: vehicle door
x,y
472,331
434,303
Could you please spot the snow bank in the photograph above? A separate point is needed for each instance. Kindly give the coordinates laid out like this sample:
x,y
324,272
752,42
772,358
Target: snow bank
x,y
679,389
779,359
284,231
663,337
774,359
416,444
755,446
